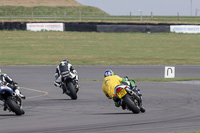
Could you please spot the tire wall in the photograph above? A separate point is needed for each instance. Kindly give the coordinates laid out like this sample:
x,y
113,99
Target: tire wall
x,y
97,27
13,26
85,27
133,28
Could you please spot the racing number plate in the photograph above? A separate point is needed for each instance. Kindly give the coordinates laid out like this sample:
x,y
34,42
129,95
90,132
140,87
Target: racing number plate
x,y
121,93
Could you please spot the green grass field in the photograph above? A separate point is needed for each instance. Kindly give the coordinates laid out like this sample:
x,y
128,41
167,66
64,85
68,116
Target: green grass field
x,y
91,48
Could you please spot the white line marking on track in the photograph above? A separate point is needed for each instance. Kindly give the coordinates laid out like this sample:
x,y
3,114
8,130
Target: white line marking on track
x,y
44,92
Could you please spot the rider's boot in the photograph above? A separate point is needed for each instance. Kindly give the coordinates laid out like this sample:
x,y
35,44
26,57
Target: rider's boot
x,y
117,104
123,106
117,101
63,88
141,107
5,108
77,86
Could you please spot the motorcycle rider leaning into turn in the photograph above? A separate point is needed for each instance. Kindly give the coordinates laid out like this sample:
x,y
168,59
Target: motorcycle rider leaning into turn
x,y
6,80
63,67
111,81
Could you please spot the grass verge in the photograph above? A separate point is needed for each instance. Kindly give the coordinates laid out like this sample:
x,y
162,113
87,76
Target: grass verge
x,y
92,48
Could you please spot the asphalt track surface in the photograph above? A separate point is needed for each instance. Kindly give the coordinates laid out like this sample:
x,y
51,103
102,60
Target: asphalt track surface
x,y
172,107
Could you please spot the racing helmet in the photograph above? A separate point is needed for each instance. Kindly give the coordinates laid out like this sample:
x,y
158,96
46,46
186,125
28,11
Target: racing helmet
x,y
108,73
65,60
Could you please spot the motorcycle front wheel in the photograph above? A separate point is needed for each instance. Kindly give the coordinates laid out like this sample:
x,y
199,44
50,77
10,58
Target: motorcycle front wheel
x,y
14,106
71,88
131,105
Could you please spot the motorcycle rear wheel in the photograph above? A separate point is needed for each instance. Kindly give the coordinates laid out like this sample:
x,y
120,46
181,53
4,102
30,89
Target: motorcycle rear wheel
x,y
131,105
14,107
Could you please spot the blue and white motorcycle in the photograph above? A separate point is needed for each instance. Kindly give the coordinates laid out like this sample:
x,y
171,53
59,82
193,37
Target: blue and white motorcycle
x,y
10,100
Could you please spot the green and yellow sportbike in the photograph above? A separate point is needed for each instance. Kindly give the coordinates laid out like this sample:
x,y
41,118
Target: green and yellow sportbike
x,y
130,99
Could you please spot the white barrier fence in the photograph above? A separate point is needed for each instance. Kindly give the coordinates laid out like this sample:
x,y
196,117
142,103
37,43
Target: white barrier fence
x,y
185,28
45,26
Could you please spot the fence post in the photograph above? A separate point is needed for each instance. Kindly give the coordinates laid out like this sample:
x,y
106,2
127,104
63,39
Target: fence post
x,y
178,16
11,15
196,12
130,15
80,15
65,14
104,16
55,14
32,14
140,15
151,15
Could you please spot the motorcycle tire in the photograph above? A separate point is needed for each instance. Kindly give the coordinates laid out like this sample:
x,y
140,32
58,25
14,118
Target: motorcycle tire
x,y
71,88
131,105
13,106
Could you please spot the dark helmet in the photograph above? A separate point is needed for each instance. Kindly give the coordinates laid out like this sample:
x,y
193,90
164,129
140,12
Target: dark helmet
x,y
65,60
108,73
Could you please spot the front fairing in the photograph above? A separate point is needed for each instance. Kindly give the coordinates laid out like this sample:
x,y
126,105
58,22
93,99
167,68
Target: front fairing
x,y
5,91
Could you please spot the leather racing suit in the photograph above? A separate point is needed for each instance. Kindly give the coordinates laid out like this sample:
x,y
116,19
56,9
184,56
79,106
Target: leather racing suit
x,y
6,80
63,67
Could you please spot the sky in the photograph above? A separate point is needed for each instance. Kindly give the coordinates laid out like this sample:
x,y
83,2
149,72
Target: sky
x,y
146,7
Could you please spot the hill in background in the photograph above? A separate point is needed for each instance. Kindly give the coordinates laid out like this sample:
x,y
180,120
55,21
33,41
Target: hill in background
x,y
32,3
46,8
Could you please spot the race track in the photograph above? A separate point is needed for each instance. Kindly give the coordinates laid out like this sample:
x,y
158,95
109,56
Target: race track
x,y
170,107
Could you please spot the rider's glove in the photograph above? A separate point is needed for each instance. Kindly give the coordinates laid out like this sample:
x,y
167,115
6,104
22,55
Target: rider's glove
x,y
74,71
126,77
16,86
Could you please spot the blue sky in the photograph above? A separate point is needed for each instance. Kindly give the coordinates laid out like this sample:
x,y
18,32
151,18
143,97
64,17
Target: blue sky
x,y
157,7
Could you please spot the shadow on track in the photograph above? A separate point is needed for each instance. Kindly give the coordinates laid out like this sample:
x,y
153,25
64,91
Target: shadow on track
x,y
125,113
7,115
